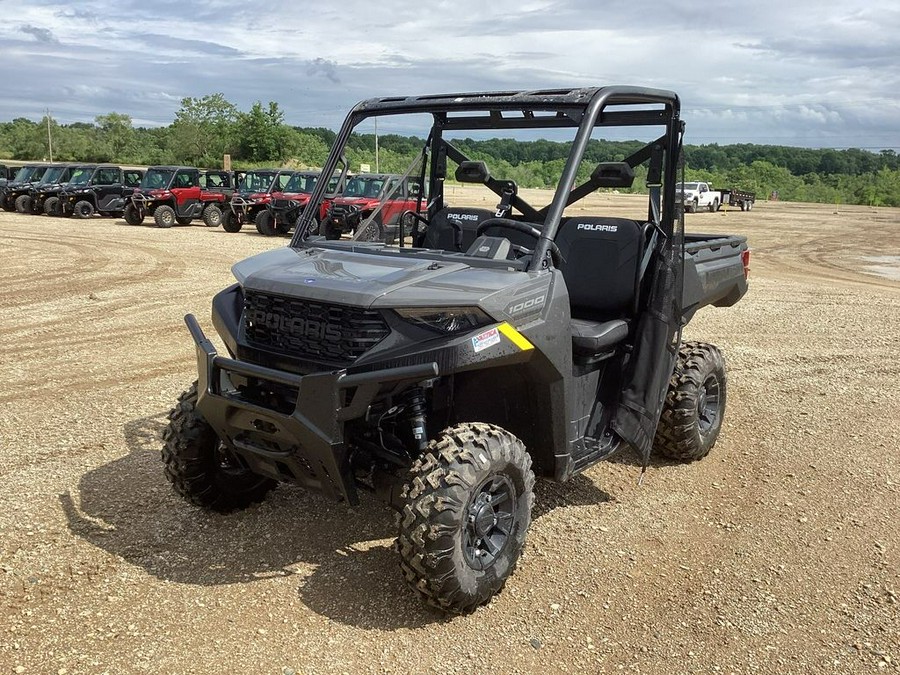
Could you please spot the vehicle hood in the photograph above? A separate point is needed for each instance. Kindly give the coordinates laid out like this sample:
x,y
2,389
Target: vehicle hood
x,y
355,201
369,280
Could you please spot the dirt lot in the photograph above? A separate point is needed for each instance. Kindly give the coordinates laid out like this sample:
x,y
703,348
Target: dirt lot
x,y
778,553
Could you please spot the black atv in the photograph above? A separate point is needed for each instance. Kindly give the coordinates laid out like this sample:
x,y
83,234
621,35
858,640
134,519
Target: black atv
x,y
484,348
14,196
44,196
103,189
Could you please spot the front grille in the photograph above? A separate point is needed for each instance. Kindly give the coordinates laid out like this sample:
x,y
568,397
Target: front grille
x,y
311,330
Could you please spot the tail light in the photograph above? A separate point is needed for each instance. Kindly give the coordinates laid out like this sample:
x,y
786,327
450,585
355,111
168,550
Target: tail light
x,y
745,261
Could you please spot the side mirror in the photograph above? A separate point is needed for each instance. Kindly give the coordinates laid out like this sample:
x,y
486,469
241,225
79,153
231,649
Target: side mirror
x,y
472,172
613,175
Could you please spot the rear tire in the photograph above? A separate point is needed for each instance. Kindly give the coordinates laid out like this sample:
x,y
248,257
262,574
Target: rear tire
x,y
23,204
695,403
230,222
466,514
199,467
714,206
374,231
265,223
164,216
212,216
83,209
50,205
132,215
749,205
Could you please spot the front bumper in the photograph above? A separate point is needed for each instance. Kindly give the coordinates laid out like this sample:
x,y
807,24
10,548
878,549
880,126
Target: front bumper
x,y
307,445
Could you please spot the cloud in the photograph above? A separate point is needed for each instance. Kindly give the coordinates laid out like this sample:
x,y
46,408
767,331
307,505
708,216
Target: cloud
x,y
325,68
39,34
795,73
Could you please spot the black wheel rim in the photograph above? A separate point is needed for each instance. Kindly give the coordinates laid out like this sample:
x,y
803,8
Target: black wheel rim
x,y
708,404
489,522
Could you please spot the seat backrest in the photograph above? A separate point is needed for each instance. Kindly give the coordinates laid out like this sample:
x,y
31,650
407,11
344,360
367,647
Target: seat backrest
x,y
441,234
600,263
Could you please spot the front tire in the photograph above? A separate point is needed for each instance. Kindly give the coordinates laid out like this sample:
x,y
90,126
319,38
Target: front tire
x,y
164,216
50,206
466,514
200,468
230,222
314,228
132,215
331,231
265,223
83,209
23,204
695,403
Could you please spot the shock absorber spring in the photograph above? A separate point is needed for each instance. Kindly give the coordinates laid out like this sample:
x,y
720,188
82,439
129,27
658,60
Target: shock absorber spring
x,y
415,407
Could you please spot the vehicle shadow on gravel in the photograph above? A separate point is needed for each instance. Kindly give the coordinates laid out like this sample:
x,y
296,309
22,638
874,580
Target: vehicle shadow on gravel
x,y
342,558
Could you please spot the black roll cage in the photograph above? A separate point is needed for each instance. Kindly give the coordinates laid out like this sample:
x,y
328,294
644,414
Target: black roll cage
x,y
583,109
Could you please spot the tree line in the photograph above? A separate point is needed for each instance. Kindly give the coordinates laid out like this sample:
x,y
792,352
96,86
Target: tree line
x,y
207,128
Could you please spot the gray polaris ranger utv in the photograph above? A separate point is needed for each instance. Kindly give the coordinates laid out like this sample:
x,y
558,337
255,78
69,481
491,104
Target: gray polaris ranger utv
x,y
484,347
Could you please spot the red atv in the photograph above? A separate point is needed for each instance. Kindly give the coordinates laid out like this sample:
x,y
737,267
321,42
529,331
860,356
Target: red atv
x,y
284,210
251,198
371,205
173,194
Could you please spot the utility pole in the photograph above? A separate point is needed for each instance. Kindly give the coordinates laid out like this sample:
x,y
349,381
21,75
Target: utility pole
x,y
49,136
377,168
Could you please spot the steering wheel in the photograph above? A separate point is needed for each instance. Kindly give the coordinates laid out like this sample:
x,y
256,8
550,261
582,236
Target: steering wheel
x,y
524,228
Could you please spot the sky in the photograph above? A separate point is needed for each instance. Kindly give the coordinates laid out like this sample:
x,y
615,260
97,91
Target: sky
x,y
812,73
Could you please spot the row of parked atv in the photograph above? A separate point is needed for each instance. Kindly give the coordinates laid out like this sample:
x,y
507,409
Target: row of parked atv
x,y
270,199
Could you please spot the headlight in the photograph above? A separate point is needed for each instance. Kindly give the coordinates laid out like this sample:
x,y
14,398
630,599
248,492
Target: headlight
x,y
446,319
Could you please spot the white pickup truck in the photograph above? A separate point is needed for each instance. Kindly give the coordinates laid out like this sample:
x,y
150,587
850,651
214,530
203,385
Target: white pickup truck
x,y
699,195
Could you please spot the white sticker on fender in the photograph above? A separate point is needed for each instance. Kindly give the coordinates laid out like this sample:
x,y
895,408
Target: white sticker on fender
x,y
486,339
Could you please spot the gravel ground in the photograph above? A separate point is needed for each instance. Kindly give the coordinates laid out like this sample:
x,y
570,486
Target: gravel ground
x,y
777,553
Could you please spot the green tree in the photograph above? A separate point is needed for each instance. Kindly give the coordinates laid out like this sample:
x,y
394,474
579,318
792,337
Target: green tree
x,y
116,133
203,130
261,134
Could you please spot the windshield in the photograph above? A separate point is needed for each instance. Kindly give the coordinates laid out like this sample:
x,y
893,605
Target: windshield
x,y
52,174
81,175
25,173
38,174
156,179
437,174
257,181
688,186
302,182
363,186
